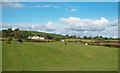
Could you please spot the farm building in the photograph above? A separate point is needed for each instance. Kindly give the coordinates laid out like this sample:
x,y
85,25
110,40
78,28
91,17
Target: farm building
x,y
36,37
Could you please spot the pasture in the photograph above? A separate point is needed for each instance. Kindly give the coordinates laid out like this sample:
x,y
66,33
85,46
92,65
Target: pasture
x,y
0,56
55,56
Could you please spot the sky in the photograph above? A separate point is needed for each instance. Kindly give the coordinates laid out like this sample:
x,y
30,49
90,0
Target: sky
x,y
60,0
66,18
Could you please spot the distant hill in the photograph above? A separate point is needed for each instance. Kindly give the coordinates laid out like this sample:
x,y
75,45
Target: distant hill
x,y
24,34
55,36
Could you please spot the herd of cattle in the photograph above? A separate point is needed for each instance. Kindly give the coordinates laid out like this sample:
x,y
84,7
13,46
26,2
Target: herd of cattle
x,y
110,44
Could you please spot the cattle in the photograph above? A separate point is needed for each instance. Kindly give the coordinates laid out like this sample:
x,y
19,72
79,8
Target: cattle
x,y
19,40
9,42
63,42
86,43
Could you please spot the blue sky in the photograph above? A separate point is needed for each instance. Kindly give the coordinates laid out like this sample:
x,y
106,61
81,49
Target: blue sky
x,y
60,0
72,18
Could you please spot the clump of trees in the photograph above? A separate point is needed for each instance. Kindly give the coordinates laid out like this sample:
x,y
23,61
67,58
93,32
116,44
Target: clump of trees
x,y
17,34
22,34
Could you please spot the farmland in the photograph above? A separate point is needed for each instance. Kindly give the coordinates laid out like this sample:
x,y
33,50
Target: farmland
x,y
54,56
59,36
0,56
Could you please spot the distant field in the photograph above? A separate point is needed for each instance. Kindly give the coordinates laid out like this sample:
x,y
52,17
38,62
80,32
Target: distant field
x,y
88,40
83,40
31,56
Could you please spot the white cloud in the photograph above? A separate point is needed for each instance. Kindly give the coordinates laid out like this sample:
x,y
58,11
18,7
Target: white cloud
x,y
42,6
78,24
18,5
110,31
102,22
73,26
114,23
4,25
21,5
73,10
13,5
50,26
46,6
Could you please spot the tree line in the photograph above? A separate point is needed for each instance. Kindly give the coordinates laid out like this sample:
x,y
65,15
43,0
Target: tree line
x,y
17,33
22,34
92,37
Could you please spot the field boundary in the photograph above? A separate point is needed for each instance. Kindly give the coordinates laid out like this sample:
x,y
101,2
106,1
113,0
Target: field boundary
x,y
60,72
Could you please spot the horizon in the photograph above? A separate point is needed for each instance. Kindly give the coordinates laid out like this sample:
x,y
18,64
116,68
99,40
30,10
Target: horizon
x,y
75,18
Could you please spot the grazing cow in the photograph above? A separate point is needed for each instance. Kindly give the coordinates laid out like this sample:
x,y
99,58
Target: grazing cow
x,y
86,43
9,42
20,41
63,42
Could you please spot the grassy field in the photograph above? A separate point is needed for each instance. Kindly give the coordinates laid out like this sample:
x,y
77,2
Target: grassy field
x,y
88,40
83,40
0,56
29,56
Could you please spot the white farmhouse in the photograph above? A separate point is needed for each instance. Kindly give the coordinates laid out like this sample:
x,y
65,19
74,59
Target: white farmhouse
x,y
41,38
36,38
29,37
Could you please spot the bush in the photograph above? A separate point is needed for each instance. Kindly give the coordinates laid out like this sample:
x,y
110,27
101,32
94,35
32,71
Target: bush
x,y
108,45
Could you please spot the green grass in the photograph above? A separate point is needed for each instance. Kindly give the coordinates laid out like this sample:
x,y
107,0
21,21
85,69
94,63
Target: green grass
x,y
83,40
29,56
89,40
0,56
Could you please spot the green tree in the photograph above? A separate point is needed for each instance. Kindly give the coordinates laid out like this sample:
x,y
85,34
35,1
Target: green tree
x,y
16,33
9,31
67,36
24,34
85,37
4,33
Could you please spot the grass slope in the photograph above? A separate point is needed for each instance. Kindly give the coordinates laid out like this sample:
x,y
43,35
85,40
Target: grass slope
x,y
50,34
29,56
